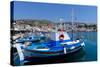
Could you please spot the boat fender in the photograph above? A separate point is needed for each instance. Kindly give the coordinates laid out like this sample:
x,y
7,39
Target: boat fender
x,y
65,52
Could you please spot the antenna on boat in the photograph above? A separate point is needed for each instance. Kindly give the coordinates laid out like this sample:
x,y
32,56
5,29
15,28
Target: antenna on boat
x,y
61,21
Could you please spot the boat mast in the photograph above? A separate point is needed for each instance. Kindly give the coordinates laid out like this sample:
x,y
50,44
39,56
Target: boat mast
x,y
72,24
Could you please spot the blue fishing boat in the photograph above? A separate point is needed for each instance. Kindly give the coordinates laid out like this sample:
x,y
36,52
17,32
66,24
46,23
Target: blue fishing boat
x,y
60,44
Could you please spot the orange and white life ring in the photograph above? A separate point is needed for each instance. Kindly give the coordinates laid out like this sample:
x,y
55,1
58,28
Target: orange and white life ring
x,y
61,37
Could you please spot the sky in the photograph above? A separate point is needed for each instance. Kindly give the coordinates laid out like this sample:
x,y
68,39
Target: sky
x,y
53,12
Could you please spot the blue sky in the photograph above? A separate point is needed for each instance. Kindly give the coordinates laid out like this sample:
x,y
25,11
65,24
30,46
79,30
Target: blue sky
x,y
53,12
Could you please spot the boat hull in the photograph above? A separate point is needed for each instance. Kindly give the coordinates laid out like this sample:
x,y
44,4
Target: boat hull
x,y
34,53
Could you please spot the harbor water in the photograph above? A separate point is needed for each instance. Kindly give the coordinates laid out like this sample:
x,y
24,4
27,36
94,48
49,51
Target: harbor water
x,y
90,49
